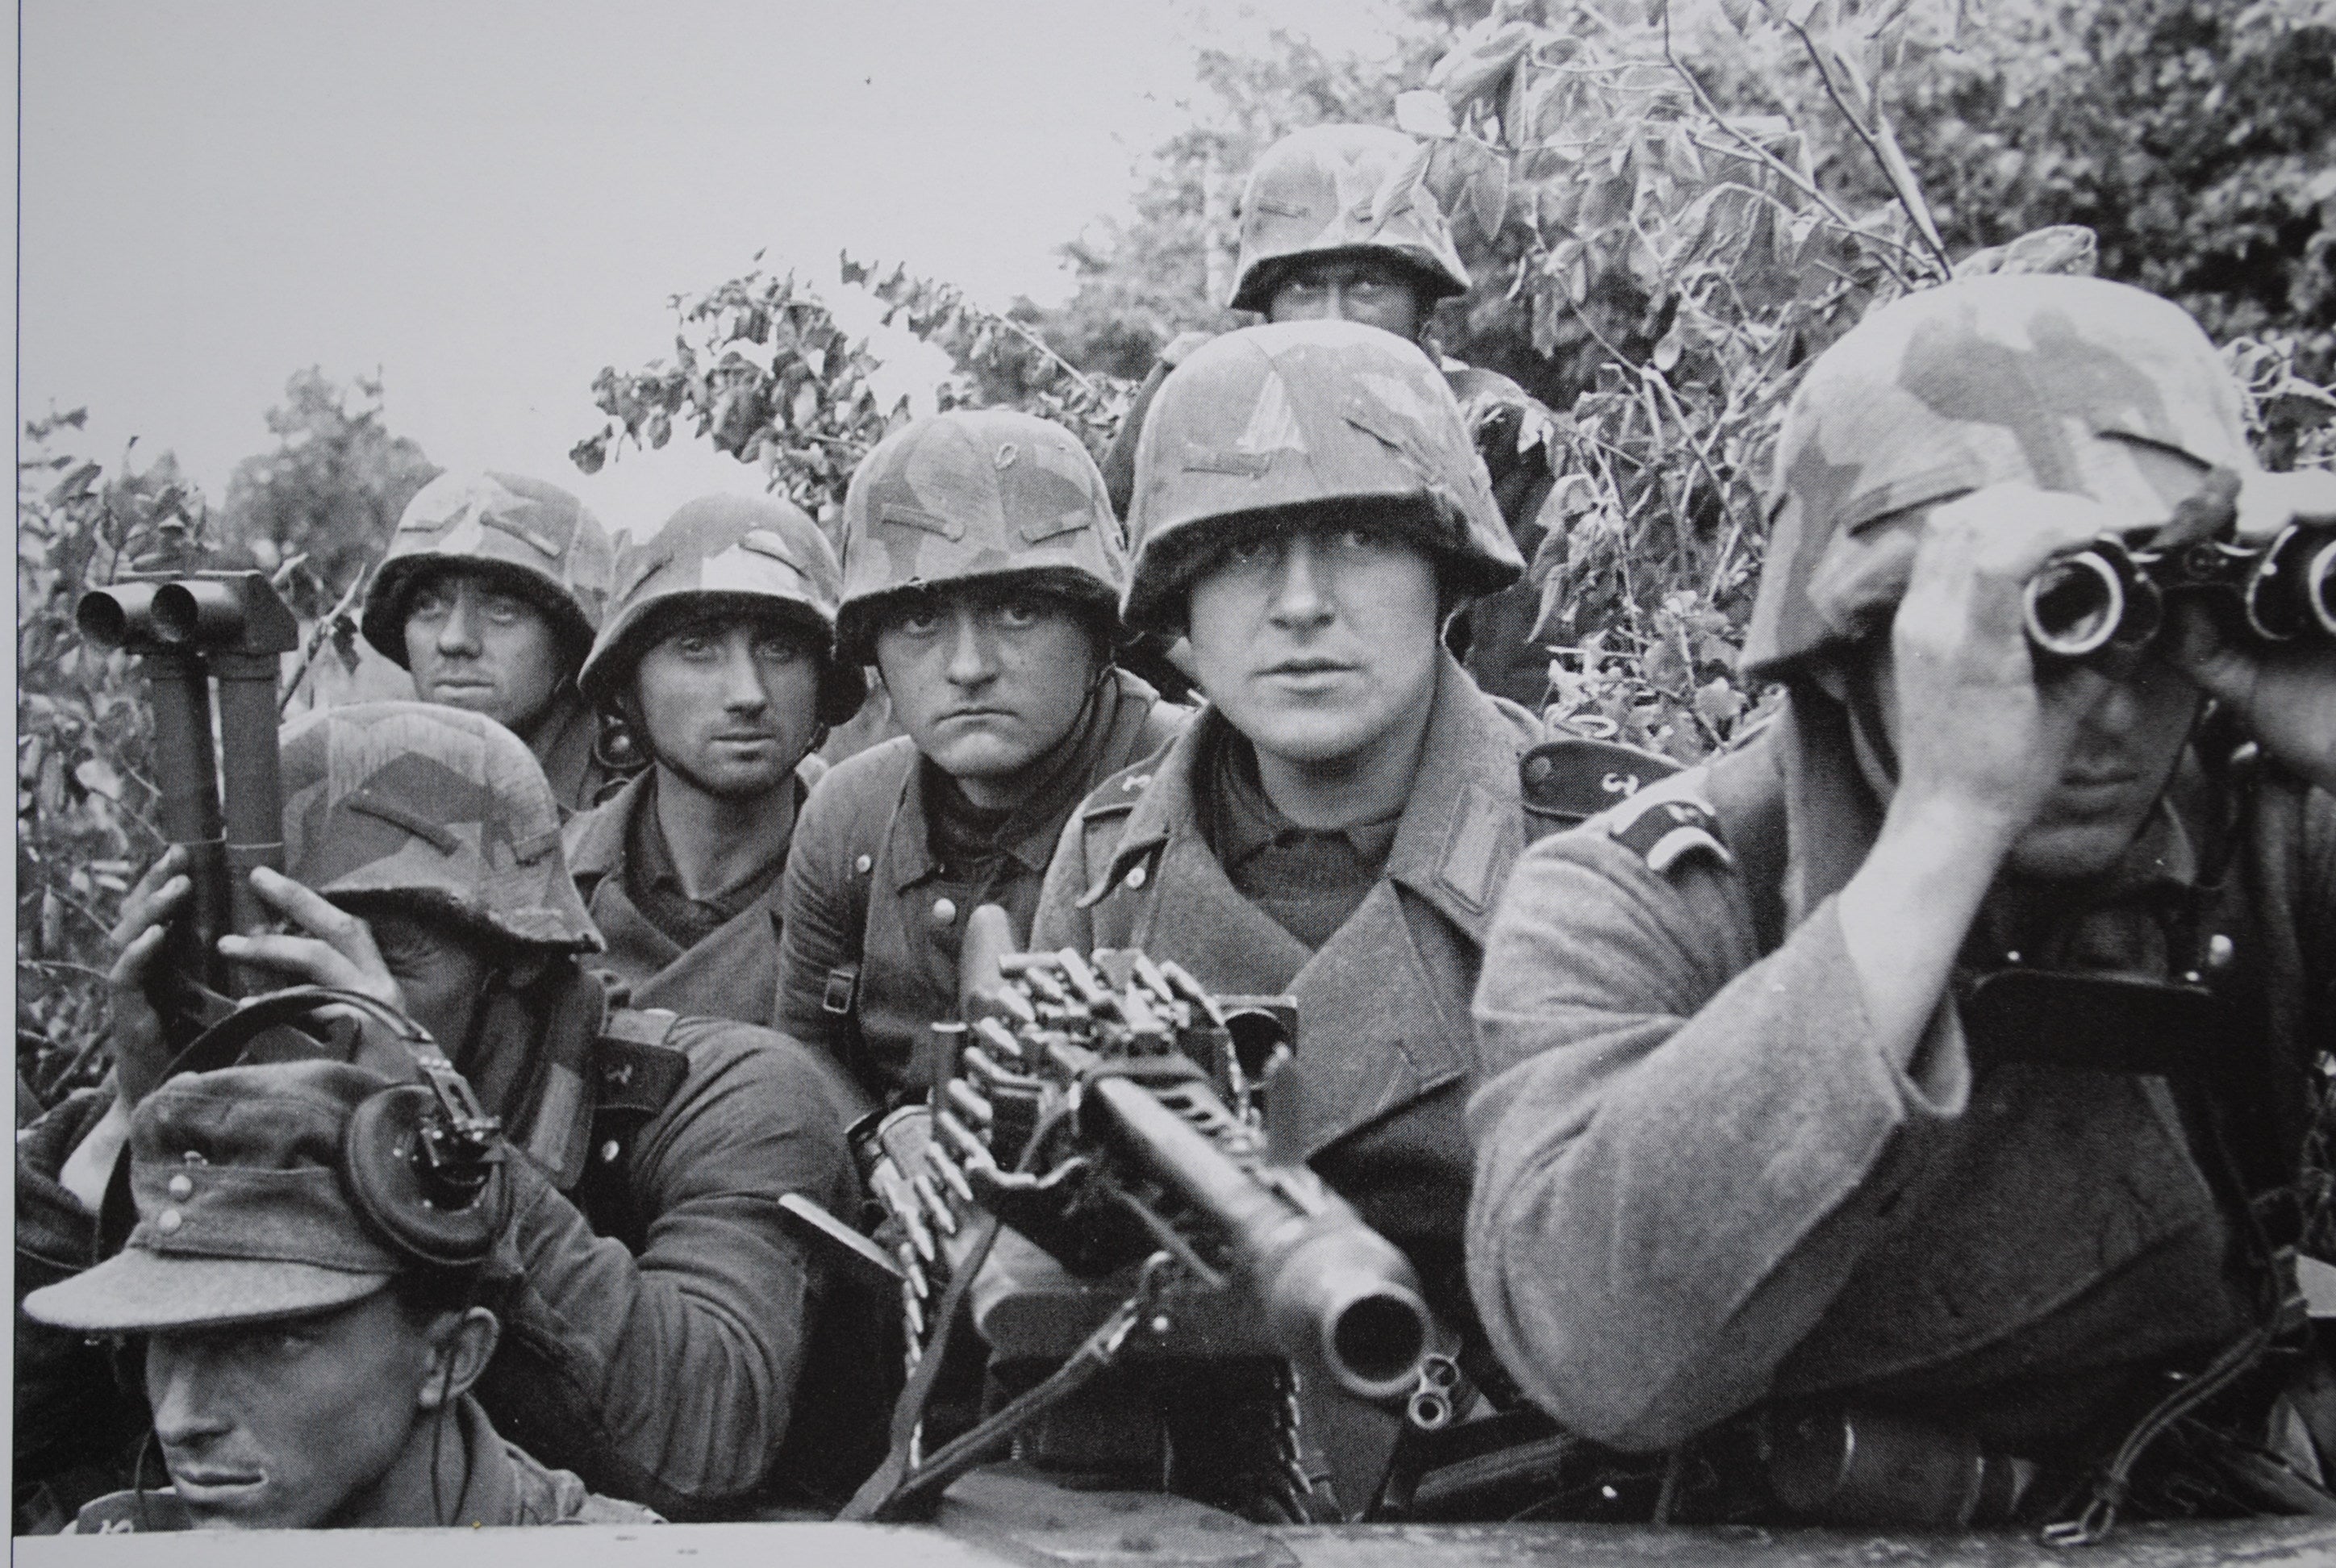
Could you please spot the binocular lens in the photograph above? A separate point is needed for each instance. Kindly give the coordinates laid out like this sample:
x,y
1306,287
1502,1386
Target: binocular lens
x,y
2075,605
102,619
176,615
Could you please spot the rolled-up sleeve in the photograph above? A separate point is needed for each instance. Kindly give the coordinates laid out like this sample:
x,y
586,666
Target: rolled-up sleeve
x,y
1682,1147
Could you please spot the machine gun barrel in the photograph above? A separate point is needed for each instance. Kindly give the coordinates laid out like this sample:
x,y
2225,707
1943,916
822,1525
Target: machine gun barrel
x,y
1337,1296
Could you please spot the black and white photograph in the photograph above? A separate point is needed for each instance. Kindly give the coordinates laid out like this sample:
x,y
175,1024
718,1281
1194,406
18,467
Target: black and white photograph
x,y
1299,783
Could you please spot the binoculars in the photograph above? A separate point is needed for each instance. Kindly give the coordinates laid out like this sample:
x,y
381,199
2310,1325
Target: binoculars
x,y
2112,593
188,630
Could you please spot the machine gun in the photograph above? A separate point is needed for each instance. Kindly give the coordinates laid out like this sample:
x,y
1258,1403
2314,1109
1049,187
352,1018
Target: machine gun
x,y
1112,1112
188,631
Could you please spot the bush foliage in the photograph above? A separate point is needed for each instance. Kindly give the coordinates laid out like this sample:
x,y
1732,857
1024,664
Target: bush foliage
x,y
1667,208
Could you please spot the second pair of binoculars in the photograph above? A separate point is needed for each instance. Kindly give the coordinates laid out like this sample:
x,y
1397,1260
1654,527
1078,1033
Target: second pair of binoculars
x,y
2112,593
189,631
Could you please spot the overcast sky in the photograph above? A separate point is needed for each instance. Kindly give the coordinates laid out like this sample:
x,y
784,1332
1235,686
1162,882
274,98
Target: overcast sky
x,y
491,200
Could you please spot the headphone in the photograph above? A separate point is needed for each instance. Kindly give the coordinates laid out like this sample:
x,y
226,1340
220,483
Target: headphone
x,y
420,1162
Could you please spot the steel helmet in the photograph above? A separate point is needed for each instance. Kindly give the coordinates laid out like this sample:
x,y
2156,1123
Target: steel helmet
x,y
1308,414
532,538
1313,193
1979,382
750,554
972,495
436,807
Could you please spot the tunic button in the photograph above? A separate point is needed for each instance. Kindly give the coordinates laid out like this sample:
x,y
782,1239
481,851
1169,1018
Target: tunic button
x,y
182,1187
610,1151
1135,878
2220,951
944,912
168,1220
864,864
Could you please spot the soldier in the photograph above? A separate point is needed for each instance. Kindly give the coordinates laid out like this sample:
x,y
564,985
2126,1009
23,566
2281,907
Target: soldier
x,y
488,596
982,571
306,1370
1337,821
1781,1114
719,653
662,1311
1312,250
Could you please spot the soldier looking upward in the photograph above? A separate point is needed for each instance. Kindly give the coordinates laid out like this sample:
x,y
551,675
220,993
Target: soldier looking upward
x,y
1312,250
660,1313
981,575
489,596
1937,1062
719,652
304,1370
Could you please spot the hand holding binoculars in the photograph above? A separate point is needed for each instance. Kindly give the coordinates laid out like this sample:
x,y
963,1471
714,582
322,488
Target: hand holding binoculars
x,y
190,630
2113,592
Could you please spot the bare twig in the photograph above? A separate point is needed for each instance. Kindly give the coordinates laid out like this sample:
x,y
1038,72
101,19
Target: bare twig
x,y
317,639
1807,188
1911,201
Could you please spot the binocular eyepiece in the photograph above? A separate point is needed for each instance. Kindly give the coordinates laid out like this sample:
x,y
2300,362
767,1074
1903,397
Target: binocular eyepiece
x,y
2109,594
215,613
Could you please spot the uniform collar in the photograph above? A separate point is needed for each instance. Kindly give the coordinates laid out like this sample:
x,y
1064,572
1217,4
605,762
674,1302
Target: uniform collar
x,y
1459,832
1032,829
595,841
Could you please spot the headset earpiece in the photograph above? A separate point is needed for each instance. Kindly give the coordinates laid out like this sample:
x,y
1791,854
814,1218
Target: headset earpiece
x,y
447,1215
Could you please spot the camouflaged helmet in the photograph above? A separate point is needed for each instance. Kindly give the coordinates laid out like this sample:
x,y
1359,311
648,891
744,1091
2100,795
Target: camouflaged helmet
x,y
2044,380
532,538
974,494
1314,416
749,554
1312,195
432,806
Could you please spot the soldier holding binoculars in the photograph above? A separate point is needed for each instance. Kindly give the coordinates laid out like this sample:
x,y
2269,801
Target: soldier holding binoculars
x,y
1933,1066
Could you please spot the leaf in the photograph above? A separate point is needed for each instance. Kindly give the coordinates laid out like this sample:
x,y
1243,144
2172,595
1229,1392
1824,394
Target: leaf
x,y
1424,113
1488,197
1397,190
97,775
1718,703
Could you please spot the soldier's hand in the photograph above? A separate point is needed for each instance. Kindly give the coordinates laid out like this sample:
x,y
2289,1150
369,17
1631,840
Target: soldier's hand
x,y
139,1053
1980,730
329,946
2284,693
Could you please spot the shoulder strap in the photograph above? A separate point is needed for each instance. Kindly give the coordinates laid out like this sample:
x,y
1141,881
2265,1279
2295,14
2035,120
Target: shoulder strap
x,y
634,1070
1570,780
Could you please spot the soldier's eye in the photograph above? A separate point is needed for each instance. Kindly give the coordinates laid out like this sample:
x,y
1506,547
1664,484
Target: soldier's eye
x,y
430,603
917,622
1019,612
501,609
778,649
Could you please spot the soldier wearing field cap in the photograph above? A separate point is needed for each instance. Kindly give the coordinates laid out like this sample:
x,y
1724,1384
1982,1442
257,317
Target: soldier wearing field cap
x,y
1337,821
1930,1080
489,596
719,652
664,1321
1330,229
306,1370
982,579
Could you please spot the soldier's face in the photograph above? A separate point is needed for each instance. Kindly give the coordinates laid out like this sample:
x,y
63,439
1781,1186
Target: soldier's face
x,y
2125,751
1360,288
440,971
299,1424
986,681
1317,642
470,645
730,704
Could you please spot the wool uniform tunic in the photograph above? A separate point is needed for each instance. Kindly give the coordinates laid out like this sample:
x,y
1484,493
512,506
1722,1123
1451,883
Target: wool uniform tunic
x,y
1385,1056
